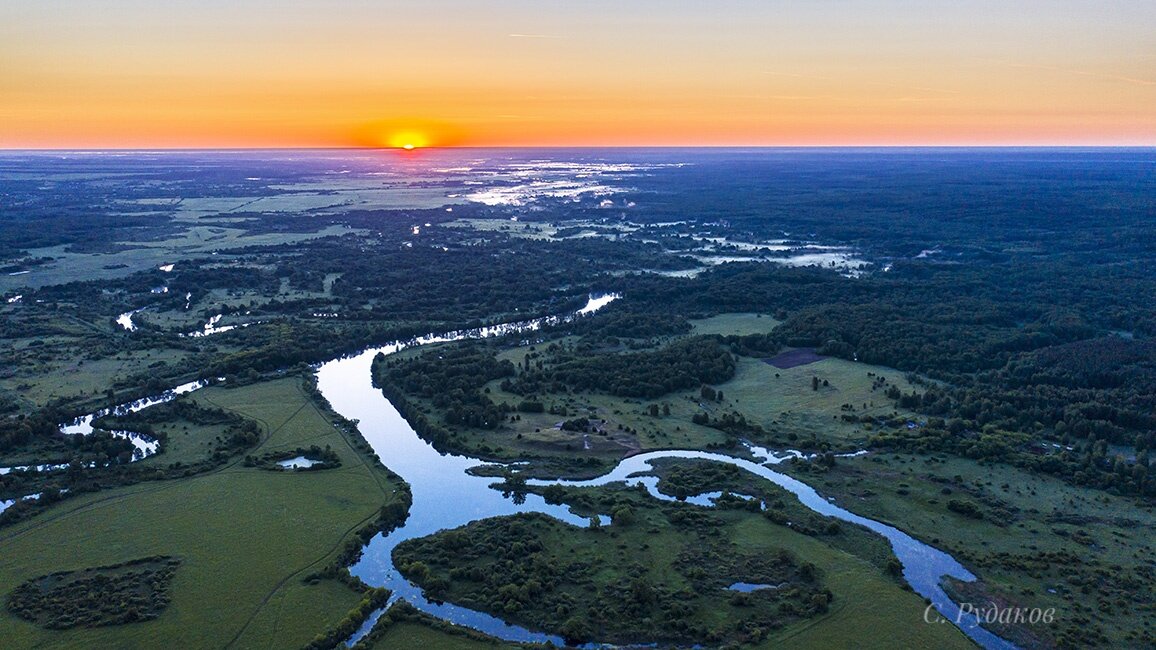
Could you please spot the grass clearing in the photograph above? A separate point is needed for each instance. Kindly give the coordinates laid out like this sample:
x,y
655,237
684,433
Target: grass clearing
x,y
52,371
776,399
734,324
784,399
245,536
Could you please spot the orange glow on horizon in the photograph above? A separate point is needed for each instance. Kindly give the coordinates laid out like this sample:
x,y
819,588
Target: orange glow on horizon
x,y
180,75
408,140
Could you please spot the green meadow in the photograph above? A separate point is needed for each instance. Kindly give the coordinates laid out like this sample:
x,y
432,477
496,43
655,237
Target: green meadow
x,y
246,537
734,324
786,399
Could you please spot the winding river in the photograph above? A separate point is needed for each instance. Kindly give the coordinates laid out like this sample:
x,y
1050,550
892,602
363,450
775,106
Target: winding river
x,y
446,495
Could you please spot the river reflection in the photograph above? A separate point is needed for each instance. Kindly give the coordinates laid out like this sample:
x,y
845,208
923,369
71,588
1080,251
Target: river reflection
x,y
446,495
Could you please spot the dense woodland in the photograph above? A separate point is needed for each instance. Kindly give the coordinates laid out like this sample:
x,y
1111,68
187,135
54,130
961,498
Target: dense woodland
x,y
452,380
685,364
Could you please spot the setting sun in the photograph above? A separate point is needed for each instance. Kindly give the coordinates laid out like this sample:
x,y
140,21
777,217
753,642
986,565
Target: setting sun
x,y
408,140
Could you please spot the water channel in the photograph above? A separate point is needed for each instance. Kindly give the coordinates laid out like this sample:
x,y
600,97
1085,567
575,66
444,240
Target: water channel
x,y
446,495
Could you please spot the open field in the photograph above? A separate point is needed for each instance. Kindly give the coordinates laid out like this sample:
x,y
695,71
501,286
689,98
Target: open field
x,y
246,538
734,324
61,369
784,399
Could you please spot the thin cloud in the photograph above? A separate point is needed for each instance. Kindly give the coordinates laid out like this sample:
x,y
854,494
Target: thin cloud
x,y
532,36
787,97
1082,73
923,99
807,97
796,75
883,84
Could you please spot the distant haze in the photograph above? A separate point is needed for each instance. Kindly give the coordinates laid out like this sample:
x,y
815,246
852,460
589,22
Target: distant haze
x,y
264,73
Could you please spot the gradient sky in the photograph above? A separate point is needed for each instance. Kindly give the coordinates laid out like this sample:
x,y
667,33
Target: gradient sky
x,y
255,73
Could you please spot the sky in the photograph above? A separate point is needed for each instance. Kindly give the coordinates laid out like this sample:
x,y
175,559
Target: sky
x,y
337,73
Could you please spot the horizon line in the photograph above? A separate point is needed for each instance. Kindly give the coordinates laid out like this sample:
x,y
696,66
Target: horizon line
x,y
562,146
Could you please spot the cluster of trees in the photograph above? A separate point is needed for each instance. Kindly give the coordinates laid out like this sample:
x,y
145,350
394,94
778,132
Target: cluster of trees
x,y
109,595
687,363
623,322
1085,463
1082,411
1018,372
961,336
189,410
682,481
424,283
18,431
238,433
452,379
64,216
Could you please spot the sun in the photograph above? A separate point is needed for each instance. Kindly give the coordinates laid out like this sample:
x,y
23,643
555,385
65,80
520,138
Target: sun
x,y
407,134
408,139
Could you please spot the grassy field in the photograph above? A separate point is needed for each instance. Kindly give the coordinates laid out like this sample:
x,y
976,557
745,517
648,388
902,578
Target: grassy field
x,y
59,368
736,324
627,424
783,399
246,537
1036,542
71,375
